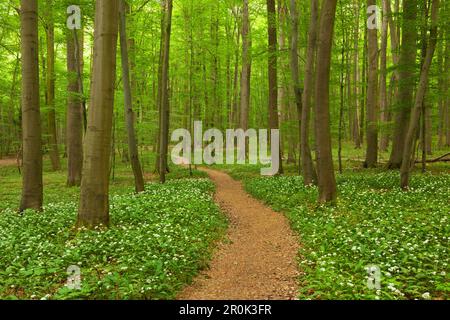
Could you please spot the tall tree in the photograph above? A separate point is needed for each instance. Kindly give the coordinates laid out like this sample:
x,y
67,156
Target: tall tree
x,y
128,103
272,70
304,107
419,99
407,62
384,140
325,168
32,186
246,68
74,134
50,87
447,92
94,202
372,97
164,92
356,118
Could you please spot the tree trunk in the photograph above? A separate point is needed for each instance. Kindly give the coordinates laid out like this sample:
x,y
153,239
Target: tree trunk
x,y
304,102
447,92
325,169
282,88
94,202
32,186
272,71
384,139
356,79
50,94
419,100
372,97
406,82
246,68
164,130
74,132
128,103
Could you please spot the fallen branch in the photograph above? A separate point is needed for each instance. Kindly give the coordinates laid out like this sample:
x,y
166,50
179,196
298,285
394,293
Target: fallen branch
x,y
439,159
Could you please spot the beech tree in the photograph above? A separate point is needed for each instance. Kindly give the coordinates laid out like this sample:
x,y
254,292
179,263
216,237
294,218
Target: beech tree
x,y
246,68
32,185
50,86
164,91
128,103
419,99
74,131
272,71
325,167
309,173
94,193
406,81
372,95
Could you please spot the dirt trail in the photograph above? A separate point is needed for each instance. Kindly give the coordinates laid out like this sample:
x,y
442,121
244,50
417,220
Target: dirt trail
x,y
259,262
8,162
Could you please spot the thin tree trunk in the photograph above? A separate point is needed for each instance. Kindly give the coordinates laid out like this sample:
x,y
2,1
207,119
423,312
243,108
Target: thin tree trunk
x,y
32,185
406,82
164,130
356,77
50,78
372,97
304,103
384,139
272,72
128,103
419,100
94,195
246,68
341,94
325,168
282,88
74,132
447,92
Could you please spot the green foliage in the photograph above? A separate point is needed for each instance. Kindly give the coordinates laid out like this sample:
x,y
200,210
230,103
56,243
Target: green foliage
x,y
157,242
406,234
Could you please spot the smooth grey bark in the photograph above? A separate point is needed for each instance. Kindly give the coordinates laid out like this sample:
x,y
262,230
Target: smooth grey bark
x,y
419,99
128,102
94,194
304,101
32,185
325,167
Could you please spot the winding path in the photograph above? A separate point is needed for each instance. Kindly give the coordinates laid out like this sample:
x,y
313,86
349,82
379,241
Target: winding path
x,y
259,260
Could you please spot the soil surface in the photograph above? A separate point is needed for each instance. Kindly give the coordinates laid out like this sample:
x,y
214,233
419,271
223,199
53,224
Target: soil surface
x,y
258,261
8,162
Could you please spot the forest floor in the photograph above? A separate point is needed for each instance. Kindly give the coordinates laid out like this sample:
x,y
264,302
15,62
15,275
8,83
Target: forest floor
x,y
258,261
159,242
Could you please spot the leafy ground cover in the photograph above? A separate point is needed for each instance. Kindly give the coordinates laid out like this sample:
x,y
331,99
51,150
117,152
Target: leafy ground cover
x,y
157,242
405,234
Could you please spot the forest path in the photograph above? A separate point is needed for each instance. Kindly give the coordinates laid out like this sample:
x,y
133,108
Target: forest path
x,y
8,162
259,262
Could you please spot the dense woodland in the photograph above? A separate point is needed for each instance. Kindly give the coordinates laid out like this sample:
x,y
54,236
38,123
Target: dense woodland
x,y
352,85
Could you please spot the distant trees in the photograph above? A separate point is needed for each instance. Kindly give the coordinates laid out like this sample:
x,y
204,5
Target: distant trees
x,y
32,188
378,98
94,202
